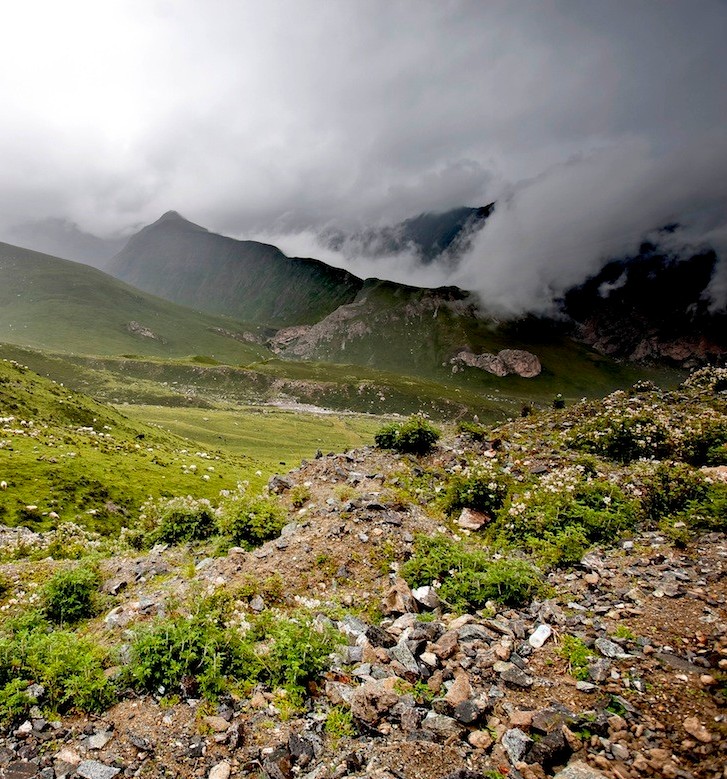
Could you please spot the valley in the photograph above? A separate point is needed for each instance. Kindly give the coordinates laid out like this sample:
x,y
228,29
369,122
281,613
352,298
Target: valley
x,y
312,533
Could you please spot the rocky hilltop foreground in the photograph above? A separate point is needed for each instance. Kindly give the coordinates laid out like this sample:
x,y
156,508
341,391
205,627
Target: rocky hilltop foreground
x,y
546,598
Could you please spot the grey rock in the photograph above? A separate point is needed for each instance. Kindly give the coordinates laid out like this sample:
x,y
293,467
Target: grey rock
x,y
427,596
100,739
402,654
93,769
278,484
516,744
599,670
610,649
579,770
442,725
516,677
21,769
549,751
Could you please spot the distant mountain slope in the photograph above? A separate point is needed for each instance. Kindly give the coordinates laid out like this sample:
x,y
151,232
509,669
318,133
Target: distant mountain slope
x,y
251,281
434,237
65,239
438,334
49,303
651,308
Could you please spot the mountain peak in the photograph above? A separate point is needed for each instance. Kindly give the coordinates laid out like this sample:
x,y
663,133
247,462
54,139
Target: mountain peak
x,y
176,219
172,216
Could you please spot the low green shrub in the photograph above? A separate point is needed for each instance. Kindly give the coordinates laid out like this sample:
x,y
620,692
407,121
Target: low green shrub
x,y
201,654
671,488
482,489
71,595
469,577
562,548
415,436
577,655
293,651
177,520
195,653
705,443
249,521
70,669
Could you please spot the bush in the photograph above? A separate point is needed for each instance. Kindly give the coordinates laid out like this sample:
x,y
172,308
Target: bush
x,y
70,670
177,520
200,655
482,490
672,487
564,548
468,576
250,521
195,655
706,444
71,595
415,436
296,650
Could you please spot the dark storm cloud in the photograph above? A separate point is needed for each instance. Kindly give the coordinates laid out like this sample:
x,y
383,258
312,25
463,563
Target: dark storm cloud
x,y
592,123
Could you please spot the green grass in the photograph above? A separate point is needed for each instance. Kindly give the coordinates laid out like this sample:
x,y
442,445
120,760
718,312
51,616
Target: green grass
x,y
48,303
267,436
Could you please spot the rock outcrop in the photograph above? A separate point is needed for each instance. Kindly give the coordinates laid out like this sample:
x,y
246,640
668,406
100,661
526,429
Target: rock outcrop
x,y
504,363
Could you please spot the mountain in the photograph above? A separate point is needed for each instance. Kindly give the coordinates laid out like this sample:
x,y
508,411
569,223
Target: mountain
x,y
651,308
248,280
63,238
49,303
434,237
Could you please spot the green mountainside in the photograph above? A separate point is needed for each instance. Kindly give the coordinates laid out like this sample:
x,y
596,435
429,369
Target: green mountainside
x,y
251,281
55,304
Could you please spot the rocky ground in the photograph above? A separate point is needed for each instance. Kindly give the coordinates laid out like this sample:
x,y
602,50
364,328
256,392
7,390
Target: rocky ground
x,y
423,693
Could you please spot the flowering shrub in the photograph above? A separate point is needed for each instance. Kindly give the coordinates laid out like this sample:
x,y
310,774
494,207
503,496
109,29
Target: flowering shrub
x,y
481,487
672,487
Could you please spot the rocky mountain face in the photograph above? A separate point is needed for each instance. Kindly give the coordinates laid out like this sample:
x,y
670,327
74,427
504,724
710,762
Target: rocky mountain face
x,y
433,237
247,280
651,309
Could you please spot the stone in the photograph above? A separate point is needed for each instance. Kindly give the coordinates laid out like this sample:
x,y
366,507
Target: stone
x,y
402,654
467,712
610,649
516,677
21,769
695,728
582,686
521,719
380,637
301,750
100,739
480,739
446,645
371,701
69,756
216,724
278,764
460,691
441,725
592,578
539,636
278,484
399,599
579,770
93,769
550,750
220,771
516,744
427,596
469,519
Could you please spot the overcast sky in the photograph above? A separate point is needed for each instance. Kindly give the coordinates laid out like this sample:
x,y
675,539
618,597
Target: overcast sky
x,y
591,123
